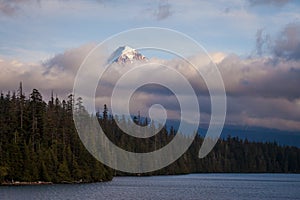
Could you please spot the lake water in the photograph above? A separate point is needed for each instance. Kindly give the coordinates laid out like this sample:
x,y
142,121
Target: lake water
x,y
192,186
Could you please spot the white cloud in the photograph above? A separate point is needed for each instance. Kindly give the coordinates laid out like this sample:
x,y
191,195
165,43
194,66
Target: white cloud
x,y
217,57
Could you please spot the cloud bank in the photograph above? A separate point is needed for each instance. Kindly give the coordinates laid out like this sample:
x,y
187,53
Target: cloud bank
x,y
55,74
260,92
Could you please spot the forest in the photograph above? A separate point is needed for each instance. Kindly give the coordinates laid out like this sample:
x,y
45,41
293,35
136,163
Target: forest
x,y
39,142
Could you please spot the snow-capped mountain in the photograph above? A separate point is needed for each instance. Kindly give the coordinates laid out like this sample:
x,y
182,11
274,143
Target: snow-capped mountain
x,y
126,54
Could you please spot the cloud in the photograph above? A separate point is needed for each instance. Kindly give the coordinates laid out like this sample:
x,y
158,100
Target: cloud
x,y
11,7
278,113
70,60
287,45
56,74
262,42
7,9
260,91
268,2
261,77
163,10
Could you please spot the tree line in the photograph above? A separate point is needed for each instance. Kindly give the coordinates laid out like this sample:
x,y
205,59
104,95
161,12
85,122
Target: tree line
x,y
39,142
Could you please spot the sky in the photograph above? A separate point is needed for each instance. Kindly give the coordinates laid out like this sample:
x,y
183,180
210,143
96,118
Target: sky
x,y
255,44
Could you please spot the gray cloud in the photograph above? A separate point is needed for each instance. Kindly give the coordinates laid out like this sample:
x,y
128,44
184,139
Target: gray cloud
x,y
7,9
163,11
12,7
260,91
276,113
69,61
262,42
287,45
56,74
268,2
261,77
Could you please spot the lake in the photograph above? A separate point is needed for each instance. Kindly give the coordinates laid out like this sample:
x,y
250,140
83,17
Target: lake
x,y
192,186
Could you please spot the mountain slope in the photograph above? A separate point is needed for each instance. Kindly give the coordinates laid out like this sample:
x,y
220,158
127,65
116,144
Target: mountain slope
x,y
126,54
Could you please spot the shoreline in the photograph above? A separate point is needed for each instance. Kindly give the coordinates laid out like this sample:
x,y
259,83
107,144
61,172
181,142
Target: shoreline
x,y
25,183
21,183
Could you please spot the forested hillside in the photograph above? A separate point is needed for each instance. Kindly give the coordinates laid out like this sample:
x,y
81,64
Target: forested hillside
x,y
38,142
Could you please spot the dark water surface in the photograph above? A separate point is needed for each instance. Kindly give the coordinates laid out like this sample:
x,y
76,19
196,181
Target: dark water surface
x,y
193,186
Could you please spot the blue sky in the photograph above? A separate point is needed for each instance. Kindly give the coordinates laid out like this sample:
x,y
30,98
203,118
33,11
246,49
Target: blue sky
x,y
255,44
33,30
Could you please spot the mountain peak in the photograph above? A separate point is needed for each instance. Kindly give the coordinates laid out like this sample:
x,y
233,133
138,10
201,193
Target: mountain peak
x,y
126,54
